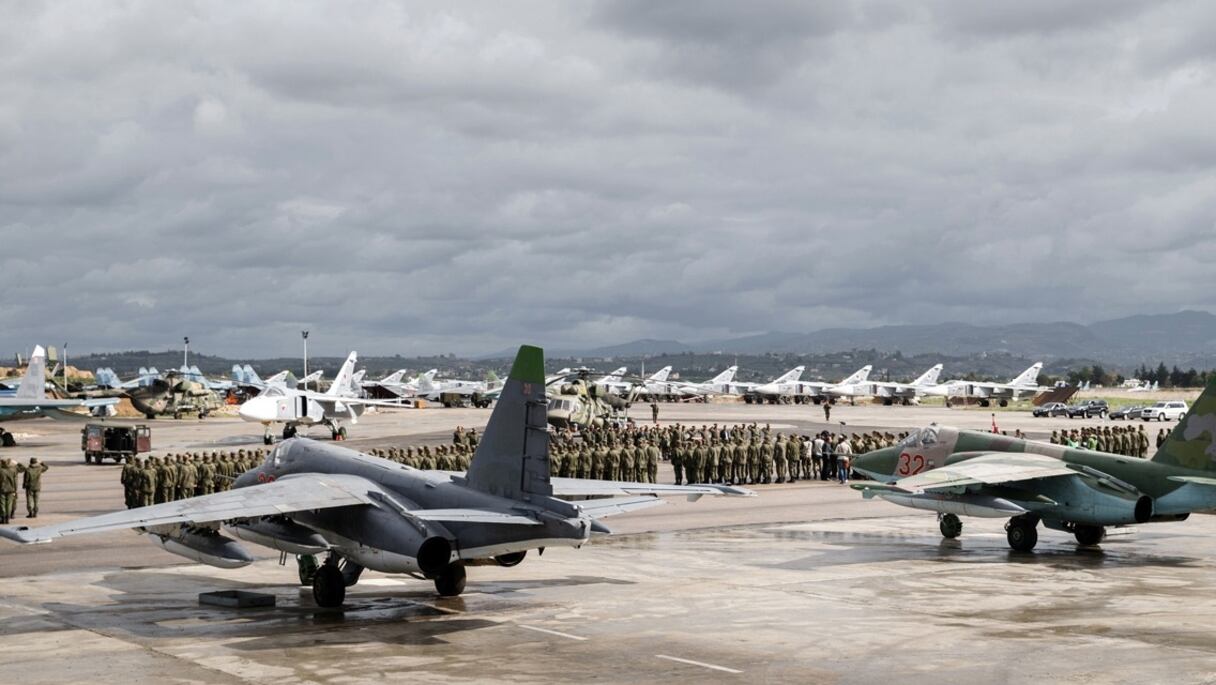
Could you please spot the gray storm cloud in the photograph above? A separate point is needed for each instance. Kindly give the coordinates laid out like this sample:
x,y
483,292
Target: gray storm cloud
x,y
419,178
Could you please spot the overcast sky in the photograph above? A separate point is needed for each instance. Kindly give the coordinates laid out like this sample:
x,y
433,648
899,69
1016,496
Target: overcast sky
x,y
435,177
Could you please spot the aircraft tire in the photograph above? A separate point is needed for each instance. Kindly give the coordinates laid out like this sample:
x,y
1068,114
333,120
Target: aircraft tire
x,y
328,588
1021,535
450,582
267,439
1089,536
950,526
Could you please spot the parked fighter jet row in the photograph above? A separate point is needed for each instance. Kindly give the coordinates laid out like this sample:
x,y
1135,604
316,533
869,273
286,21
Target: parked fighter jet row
x,y
789,387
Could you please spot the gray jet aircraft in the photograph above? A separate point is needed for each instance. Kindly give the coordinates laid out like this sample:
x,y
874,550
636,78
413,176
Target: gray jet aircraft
x,y
364,512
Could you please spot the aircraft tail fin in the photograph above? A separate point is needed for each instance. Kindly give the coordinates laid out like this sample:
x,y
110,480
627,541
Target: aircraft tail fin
x,y
929,377
426,381
1029,376
512,459
615,376
341,384
859,376
33,384
1192,443
726,376
394,377
661,375
791,375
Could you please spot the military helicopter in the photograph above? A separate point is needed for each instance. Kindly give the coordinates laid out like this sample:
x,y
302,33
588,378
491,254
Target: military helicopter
x,y
578,400
173,394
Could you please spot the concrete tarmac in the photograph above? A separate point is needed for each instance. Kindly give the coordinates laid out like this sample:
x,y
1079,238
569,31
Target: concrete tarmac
x,y
806,583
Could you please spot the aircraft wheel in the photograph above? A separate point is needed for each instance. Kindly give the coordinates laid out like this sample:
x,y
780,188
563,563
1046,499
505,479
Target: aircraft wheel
x,y
1089,535
288,432
1003,403
328,588
268,439
1022,535
950,526
342,433
450,582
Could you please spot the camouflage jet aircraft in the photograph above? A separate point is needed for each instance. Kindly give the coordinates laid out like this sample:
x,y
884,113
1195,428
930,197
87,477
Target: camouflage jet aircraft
x,y
1079,491
366,512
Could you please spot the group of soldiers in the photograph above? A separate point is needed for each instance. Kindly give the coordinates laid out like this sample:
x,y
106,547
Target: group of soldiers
x,y
177,476
736,455
31,482
1125,440
454,457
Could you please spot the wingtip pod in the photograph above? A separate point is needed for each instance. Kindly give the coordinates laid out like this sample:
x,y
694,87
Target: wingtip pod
x,y
529,366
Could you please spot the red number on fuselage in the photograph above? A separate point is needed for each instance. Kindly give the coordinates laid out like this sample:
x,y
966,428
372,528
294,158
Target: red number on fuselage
x,y
910,464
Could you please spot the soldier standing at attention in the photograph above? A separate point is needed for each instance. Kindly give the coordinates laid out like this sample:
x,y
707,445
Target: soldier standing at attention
x,y
827,411
654,412
8,489
147,483
31,482
129,480
188,481
652,462
779,457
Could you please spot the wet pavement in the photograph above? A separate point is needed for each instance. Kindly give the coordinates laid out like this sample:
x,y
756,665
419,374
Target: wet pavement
x,y
857,599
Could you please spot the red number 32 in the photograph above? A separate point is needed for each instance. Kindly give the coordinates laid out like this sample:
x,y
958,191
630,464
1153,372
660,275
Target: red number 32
x,y
910,464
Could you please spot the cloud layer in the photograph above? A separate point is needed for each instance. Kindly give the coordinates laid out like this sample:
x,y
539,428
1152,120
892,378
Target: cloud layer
x,y
414,178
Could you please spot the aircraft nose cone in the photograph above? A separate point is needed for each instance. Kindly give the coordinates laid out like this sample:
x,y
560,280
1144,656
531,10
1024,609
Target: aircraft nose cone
x,y
257,409
880,462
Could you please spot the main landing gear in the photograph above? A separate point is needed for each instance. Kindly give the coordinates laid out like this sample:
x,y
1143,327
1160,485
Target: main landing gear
x,y
1022,533
950,525
338,433
450,581
1089,536
289,431
330,581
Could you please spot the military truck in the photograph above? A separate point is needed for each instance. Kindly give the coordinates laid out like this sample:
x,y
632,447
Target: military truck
x,y
100,442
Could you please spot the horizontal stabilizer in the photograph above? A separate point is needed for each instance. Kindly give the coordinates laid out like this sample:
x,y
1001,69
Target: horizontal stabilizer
x,y
571,487
597,509
472,516
1195,480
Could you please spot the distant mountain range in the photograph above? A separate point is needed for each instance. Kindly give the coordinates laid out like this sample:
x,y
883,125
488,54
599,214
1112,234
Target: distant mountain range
x,y
1187,338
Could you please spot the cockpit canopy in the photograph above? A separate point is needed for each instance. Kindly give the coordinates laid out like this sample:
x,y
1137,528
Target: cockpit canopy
x,y
922,437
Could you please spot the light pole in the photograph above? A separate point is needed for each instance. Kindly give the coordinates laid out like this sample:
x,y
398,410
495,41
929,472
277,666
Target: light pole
x,y
304,334
186,353
65,366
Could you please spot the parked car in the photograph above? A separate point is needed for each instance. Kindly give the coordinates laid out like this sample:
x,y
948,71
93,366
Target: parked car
x,y
1051,409
1165,410
1088,409
1129,413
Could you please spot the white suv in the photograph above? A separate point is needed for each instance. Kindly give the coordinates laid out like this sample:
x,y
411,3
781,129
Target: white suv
x,y
1171,410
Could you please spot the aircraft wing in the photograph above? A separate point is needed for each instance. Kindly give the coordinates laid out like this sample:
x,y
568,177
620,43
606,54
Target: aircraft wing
x,y
288,494
990,469
568,487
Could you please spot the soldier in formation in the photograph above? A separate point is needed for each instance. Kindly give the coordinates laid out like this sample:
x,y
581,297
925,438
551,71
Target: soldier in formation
x,y
8,489
1129,441
180,475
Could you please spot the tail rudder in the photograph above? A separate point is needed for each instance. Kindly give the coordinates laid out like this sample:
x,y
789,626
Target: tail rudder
x,y
1029,376
929,377
726,376
33,383
859,376
394,377
1192,443
341,384
661,375
512,458
791,375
